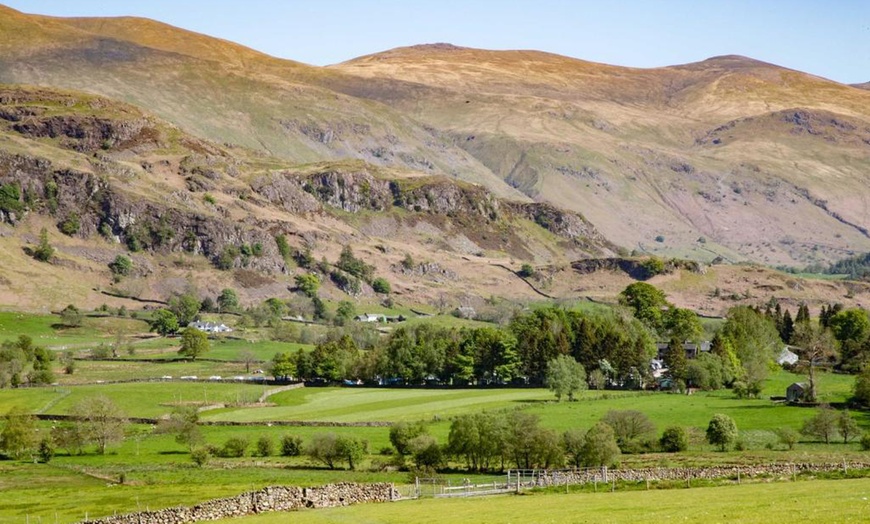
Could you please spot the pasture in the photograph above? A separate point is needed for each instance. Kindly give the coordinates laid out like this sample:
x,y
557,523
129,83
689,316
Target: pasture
x,y
843,501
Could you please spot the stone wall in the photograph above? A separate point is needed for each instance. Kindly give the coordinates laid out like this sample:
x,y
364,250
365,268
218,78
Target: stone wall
x,y
585,476
273,498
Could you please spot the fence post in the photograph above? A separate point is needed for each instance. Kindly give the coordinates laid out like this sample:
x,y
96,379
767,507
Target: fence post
x,y
738,475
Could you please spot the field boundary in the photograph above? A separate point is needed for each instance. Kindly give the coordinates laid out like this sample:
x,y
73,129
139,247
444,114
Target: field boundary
x,y
272,498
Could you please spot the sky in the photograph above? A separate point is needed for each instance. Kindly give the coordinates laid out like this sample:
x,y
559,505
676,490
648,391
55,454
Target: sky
x,y
828,38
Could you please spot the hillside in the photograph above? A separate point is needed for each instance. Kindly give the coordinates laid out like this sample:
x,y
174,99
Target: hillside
x,y
729,157
105,178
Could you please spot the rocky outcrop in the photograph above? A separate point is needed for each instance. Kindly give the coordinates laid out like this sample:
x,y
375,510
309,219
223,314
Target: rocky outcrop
x,y
273,498
140,223
636,268
358,190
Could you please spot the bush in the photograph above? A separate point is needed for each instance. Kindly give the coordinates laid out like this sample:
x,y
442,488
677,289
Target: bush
x,y
283,246
291,446
865,442
121,266
43,252
382,286
71,225
234,448
722,431
227,258
674,439
200,456
823,426
788,437
265,446
526,271
630,427
599,447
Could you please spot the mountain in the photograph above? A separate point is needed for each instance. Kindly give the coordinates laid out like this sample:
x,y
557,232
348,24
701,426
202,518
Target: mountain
x,y
107,179
865,85
727,158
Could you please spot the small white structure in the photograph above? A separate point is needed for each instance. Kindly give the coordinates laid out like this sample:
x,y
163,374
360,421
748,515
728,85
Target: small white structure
x,y
210,327
371,317
787,357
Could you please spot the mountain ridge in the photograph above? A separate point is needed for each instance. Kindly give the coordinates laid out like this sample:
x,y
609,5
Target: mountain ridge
x,y
731,150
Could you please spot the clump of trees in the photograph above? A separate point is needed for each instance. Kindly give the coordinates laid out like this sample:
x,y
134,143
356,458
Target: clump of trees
x,y
24,363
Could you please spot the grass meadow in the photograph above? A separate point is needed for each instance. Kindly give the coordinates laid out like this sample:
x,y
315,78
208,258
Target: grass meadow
x,y
843,501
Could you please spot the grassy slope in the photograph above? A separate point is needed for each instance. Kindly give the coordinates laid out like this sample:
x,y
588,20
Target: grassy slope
x,y
843,501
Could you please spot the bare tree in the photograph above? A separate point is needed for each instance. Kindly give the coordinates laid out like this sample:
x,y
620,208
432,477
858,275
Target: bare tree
x,y
248,357
816,346
101,422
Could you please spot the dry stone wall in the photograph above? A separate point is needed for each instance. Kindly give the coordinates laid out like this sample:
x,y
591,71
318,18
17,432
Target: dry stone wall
x,y
273,498
585,476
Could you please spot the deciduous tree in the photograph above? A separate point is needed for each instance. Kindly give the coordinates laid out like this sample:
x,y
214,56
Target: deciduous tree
x,y
565,377
721,431
100,421
194,343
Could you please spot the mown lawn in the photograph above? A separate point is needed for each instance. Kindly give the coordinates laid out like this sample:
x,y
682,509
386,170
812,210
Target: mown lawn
x,y
377,404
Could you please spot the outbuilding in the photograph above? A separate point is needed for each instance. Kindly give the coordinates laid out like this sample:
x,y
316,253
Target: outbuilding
x,y
795,392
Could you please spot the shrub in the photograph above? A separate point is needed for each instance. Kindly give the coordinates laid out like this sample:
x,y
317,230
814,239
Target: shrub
x,y
234,447
43,252
209,199
71,225
283,246
599,447
381,285
200,456
308,284
227,258
865,441
674,439
265,446
121,266
354,266
788,437
722,431
291,446
345,282
630,427
526,271
46,451
823,425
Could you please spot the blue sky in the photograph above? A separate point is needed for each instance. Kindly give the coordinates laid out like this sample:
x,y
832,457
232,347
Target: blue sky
x,y
827,38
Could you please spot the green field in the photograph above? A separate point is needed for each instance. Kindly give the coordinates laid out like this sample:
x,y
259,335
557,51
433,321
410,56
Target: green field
x,y
47,331
809,501
374,404
136,399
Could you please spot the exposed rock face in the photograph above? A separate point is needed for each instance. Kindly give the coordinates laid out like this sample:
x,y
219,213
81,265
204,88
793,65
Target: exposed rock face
x,y
273,498
135,221
361,191
639,269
